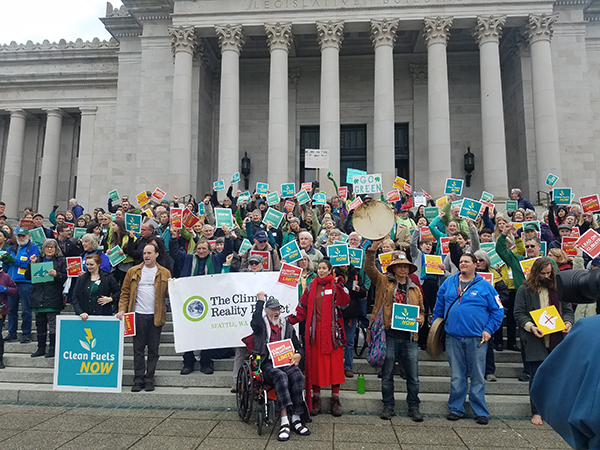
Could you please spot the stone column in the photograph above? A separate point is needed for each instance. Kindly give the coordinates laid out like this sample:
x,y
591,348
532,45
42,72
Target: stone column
x,y
231,41
11,185
383,35
85,160
539,33
183,45
49,175
420,127
330,35
436,33
487,33
279,39
293,149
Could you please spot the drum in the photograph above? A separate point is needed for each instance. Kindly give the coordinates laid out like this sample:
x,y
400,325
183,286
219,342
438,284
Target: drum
x,y
434,338
373,220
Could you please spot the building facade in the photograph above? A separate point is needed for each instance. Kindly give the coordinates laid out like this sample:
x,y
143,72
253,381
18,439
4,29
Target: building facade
x,y
186,88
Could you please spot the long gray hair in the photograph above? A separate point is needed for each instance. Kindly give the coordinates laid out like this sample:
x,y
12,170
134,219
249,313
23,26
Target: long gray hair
x,y
480,254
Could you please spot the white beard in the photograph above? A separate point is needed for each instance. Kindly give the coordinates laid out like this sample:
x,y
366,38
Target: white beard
x,y
274,320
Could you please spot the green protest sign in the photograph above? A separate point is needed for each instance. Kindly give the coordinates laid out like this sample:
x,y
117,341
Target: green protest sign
x,y
224,217
38,236
114,257
114,195
431,213
273,198
302,197
273,216
39,272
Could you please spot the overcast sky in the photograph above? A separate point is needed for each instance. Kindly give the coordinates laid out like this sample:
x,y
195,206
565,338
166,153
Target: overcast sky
x,y
36,20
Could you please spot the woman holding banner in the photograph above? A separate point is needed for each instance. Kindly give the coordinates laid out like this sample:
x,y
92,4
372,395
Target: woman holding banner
x,y
325,338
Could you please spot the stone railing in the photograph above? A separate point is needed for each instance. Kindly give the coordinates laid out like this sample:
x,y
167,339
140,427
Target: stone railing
x,y
60,45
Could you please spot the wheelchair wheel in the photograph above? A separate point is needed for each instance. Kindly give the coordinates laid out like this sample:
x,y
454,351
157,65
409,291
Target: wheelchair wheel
x,y
260,420
244,397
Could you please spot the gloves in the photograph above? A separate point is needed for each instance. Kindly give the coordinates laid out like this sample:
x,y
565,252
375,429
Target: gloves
x,y
3,289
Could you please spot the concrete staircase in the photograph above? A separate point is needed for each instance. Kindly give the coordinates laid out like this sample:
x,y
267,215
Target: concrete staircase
x,y
29,380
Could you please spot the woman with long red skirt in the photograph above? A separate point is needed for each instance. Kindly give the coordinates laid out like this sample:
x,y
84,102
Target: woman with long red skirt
x,y
325,338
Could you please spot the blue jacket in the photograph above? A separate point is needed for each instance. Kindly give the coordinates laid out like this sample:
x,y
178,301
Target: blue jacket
x,y
17,269
185,261
77,211
477,311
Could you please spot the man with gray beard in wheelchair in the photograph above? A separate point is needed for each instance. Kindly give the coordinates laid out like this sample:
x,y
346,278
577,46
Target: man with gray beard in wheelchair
x,y
269,326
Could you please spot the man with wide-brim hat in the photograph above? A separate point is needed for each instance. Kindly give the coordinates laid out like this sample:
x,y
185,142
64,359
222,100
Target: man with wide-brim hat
x,y
395,286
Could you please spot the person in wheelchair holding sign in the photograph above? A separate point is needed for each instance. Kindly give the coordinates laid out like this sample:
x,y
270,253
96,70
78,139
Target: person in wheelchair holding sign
x,y
270,327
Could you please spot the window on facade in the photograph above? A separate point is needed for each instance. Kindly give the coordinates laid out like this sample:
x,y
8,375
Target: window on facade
x,y
401,151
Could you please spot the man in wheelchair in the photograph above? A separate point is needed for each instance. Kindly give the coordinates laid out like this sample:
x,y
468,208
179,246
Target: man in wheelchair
x,y
269,326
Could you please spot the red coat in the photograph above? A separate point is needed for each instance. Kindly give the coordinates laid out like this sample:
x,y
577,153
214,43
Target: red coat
x,y
9,289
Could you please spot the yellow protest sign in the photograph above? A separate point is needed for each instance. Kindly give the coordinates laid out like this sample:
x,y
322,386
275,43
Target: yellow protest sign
x,y
440,202
548,320
399,183
432,263
142,198
526,265
385,259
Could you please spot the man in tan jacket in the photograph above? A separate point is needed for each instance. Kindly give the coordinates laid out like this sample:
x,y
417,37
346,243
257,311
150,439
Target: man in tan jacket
x,y
143,292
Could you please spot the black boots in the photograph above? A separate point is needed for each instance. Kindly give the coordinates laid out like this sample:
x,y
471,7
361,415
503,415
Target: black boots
x,y
1,351
41,350
50,353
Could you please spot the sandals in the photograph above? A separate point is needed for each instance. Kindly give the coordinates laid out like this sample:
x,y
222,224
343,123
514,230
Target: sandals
x,y
300,429
284,433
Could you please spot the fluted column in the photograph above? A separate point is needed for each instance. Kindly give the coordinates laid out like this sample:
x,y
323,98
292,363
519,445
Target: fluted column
x,y
279,39
383,35
231,41
330,36
11,185
539,33
49,175
437,33
86,152
183,45
487,33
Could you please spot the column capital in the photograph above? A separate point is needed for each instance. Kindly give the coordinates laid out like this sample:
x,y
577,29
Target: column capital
x,y
279,36
419,74
330,34
540,27
383,32
294,77
230,37
437,30
88,110
183,39
489,29
19,113
54,112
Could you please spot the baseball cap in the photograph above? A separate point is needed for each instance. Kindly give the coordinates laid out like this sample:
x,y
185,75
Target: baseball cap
x,y
272,303
531,226
255,259
261,236
564,226
22,231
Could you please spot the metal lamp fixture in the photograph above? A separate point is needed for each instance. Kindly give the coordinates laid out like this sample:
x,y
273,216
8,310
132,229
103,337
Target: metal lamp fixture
x,y
246,169
469,165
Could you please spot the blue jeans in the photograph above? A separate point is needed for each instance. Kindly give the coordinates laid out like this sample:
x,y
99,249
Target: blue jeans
x,y
24,296
408,351
467,360
350,330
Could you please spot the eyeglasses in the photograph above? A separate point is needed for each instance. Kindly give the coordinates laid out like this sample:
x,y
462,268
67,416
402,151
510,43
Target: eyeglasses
x,y
531,246
480,260
253,263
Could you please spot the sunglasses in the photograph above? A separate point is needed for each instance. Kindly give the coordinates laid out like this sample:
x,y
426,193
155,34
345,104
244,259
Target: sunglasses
x,y
480,260
253,263
530,246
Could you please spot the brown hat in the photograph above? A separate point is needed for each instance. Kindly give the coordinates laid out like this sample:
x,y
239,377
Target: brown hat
x,y
400,258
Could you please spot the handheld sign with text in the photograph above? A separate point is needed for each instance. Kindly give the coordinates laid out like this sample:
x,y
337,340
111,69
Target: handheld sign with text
x,y
40,272
288,190
425,232
567,245
74,266
338,254
385,259
343,192
38,236
561,196
590,203
393,196
352,173
511,205
547,320
495,261
355,203
526,265
290,252
551,180
148,212
589,242
432,263
356,257
445,243
114,195
404,317
78,232
176,218
368,184
219,185
273,198
158,195
212,243
316,158
114,257
129,324
302,197
133,222
235,177
246,245
440,202
489,277
407,189
273,216
575,232
307,186
191,219
244,196
288,206
487,246
320,198
486,197
224,217
27,223
262,188
420,199
454,186
543,248
142,198
399,183
289,275
281,352
431,212
469,209
265,256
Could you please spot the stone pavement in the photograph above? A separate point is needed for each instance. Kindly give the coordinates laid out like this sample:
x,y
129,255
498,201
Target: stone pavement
x,y
34,427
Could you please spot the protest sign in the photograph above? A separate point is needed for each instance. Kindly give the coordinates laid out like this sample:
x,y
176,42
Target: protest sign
x,y
526,265
355,203
215,311
393,196
575,232
353,173
486,197
244,196
343,192
281,352
273,216
445,243
212,243
302,197
420,199
28,223
548,320
265,256
407,188
404,317
142,198
306,186
562,196
511,205
356,257
487,277
273,198
148,212
158,195
495,261
551,180
590,203
567,244
432,263
74,266
316,158
338,254
223,217
288,206
320,198
89,355
469,209
589,242
246,245
453,186
39,272
133,222
288,190
385,260
69,224
399,183
368,184
115,257
78,232
426,233
344,237
440,202
262,188
290,252
219,185
190,219
38,236
543,248
289,275
487,246
176,218
114,195
129,324
431,212
235,177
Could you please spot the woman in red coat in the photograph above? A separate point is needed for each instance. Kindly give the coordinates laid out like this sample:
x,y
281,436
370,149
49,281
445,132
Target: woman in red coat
x,y
324,338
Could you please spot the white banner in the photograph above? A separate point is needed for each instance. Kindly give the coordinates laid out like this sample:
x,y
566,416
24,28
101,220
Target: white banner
x,y
214,311
316,158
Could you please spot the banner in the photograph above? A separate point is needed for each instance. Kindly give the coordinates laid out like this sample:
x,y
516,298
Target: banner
x,y
89,355
214,311
368,184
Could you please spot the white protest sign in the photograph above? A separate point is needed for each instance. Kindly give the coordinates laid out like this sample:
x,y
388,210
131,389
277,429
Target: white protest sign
x,y
368,184
316,158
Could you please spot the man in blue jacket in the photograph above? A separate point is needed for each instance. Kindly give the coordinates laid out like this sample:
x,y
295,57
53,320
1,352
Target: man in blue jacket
x,y
473,313
16,261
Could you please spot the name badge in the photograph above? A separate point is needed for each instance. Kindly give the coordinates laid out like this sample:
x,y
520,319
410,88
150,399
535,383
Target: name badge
x,y
328,292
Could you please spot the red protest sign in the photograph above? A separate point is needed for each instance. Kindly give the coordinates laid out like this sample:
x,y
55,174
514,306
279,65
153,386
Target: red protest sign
x,y
590,203
265,257
158,195
289,275
590,243
212,243
306,186
567,245
426,233
73,266
575,232
281,352
355,204
393,196
343,193
487,277
190,219
176,218
129,322
288,205
27,223
445,243
407,188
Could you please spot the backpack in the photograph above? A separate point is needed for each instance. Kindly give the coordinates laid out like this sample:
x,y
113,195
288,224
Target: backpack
x,y
377,348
